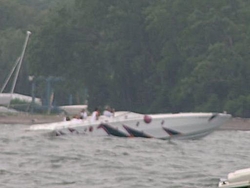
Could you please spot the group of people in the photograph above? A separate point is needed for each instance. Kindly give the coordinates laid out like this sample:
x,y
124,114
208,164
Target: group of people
x,y
108,112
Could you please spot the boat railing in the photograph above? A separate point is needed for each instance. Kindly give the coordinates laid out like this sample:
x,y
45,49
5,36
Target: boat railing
x,y
121,117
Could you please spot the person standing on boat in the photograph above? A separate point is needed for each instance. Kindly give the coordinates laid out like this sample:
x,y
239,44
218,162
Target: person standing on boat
x,y
95,115
108,112
83,114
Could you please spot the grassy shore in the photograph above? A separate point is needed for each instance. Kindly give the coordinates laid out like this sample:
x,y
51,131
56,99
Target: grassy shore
x,y
29,119
237,123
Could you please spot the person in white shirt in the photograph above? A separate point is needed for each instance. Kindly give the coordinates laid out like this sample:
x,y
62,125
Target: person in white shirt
x,y
108,112
83,114
95,115
76,118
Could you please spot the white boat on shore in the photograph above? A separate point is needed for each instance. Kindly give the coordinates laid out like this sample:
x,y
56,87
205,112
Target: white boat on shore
x,y
130,124
237,179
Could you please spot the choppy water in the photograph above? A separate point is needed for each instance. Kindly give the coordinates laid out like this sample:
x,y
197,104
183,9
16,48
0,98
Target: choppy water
x,y
36,160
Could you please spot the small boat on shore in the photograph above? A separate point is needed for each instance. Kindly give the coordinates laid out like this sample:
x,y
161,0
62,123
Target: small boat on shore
x,y
130,124
237,179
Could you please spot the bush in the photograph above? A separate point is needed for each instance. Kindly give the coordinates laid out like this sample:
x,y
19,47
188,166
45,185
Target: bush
x,y
239,107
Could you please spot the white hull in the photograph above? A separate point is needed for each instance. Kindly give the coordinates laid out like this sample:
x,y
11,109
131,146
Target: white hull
x,y
237,179
129,124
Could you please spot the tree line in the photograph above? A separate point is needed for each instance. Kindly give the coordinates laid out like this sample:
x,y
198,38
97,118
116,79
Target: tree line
x,y
145,56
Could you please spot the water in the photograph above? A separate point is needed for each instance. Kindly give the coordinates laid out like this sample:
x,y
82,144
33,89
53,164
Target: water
x,y
34,159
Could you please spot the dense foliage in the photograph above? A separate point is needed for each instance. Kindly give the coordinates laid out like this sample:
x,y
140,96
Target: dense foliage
x,y
143,55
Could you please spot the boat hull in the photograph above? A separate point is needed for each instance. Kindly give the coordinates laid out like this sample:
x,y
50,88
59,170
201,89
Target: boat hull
x,y
237,179
129,124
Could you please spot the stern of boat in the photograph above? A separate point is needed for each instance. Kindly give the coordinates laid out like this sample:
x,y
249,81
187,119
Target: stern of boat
x,y
219,119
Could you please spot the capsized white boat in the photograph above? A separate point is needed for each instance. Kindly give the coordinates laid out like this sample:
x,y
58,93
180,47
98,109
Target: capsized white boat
x,y
130,124
237,179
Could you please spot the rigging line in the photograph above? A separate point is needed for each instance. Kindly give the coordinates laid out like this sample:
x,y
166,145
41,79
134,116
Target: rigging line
x,y
7,80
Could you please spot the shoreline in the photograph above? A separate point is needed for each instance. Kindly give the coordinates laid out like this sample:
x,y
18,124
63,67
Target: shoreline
x,y
29,119
236,123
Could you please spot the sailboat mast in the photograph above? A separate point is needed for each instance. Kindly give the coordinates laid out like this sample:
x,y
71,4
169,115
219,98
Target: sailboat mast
x,y
20,61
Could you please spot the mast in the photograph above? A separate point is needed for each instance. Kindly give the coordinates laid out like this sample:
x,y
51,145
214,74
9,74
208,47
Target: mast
x,y
20,61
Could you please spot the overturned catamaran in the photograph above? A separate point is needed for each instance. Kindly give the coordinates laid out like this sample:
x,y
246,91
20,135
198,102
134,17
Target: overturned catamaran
x,y
130,124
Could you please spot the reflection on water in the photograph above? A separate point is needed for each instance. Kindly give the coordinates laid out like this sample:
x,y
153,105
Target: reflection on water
x,y
35,159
